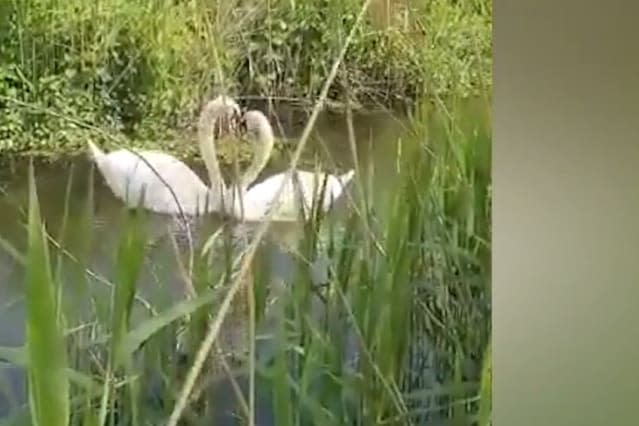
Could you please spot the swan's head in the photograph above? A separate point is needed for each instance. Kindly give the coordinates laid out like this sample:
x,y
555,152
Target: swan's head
x,y
257,126
236,120
241,122
225,114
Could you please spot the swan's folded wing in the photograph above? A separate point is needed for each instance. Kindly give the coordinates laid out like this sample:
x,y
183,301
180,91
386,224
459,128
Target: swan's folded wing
x,y
164,181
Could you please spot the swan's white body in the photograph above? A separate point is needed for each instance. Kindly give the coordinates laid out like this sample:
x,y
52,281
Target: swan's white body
x,y
300,193
299,196
129,177
163,183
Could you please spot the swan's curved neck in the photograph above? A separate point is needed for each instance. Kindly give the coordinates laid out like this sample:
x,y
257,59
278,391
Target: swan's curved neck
x,y
263,150
206,128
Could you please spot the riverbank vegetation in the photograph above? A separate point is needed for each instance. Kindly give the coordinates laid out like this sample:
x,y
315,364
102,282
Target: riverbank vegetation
x,y
134,73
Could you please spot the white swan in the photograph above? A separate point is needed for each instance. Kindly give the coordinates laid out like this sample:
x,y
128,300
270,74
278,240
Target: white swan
x,y
168,185
255,203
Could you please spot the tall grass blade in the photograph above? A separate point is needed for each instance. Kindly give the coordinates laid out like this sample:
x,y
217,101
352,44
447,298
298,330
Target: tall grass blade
x,y
146,329
18,356
486,394
47,375
128,265
13,252
282,403
129,260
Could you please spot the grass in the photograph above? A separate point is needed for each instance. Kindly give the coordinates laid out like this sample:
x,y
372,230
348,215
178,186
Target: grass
x,y
408,286
135,73
47,380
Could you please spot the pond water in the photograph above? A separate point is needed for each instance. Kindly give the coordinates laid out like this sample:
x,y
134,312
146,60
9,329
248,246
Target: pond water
x,y
376,136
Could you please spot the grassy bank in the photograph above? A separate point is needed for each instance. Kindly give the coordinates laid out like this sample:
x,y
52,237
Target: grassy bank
x,y
135,72
409,283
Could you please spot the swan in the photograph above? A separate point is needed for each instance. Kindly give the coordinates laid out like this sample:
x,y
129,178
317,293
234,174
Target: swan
x,y
168,185
255,203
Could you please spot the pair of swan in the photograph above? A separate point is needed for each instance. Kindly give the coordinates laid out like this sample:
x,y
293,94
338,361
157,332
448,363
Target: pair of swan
x,y
161,183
